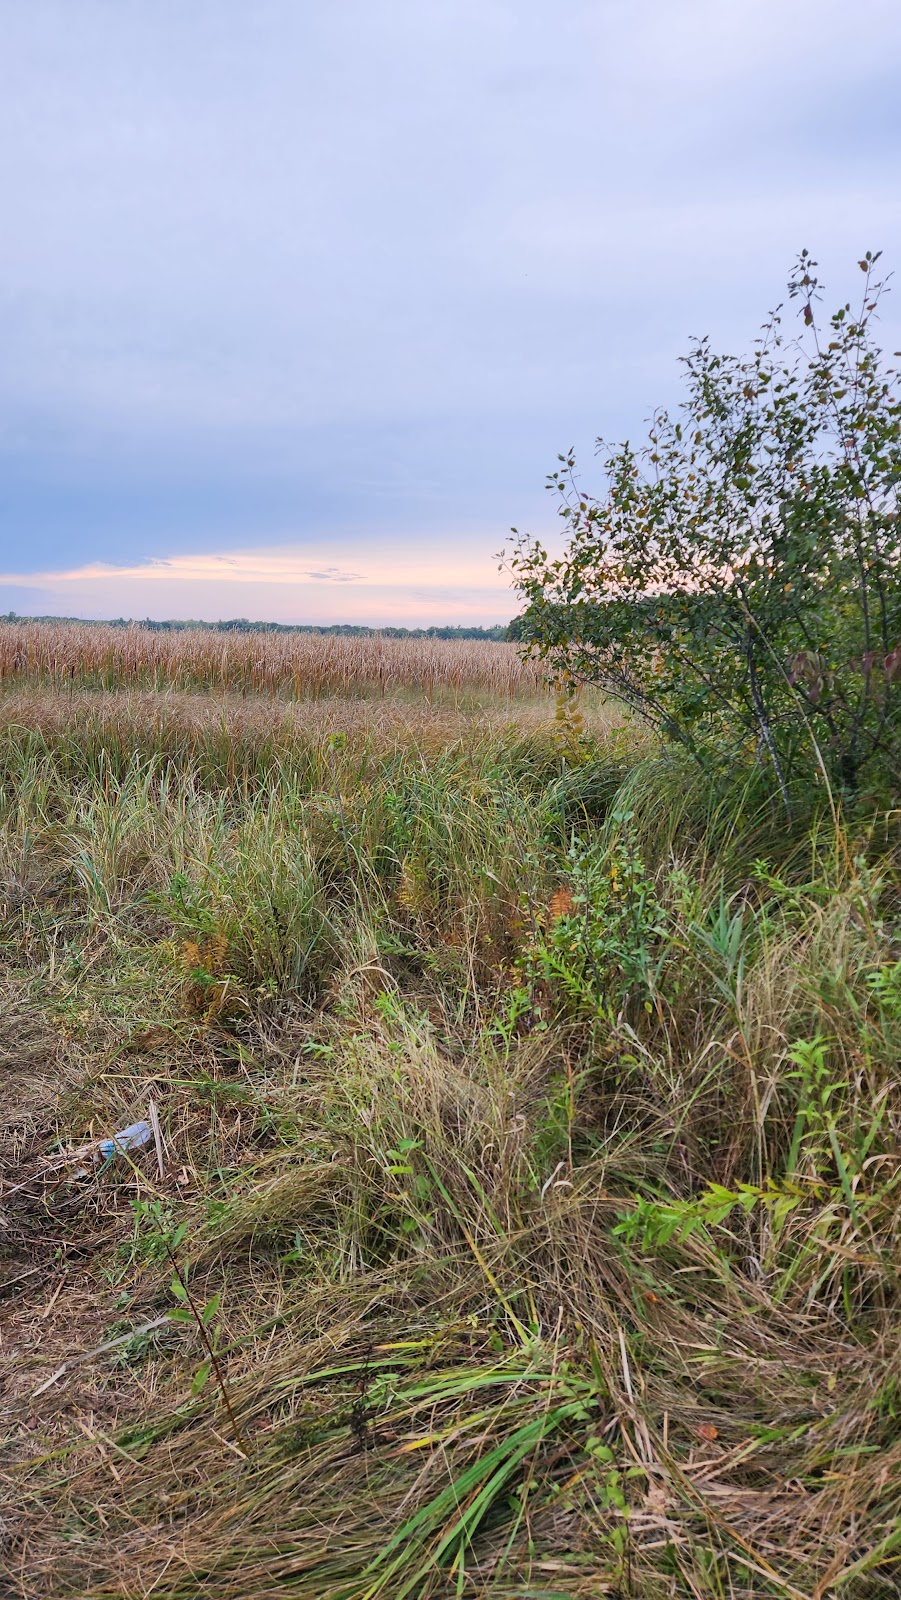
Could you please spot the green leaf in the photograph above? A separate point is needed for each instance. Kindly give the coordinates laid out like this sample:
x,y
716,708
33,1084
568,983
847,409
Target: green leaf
x,y
201,1376
210,1309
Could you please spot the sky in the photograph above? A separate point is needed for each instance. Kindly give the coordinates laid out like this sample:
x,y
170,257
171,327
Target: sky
x,y
299,301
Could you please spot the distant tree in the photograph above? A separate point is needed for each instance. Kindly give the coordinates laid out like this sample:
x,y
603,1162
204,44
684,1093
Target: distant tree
x,y
738,583
343,630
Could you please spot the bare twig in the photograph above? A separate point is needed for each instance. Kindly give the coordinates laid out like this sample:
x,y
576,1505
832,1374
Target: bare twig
x,y
99,1350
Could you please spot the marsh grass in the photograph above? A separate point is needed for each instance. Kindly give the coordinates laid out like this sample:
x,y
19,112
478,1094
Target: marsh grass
x,y
290,666
535,1114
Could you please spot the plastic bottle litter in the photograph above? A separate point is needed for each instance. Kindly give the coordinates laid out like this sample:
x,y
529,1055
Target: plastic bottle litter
x,y
131,1138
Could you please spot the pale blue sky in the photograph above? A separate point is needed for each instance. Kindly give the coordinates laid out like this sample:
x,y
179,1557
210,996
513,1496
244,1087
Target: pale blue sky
x,y
298,301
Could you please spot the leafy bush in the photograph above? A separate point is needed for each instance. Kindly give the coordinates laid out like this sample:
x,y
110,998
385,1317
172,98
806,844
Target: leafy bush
x,y
600,949
738,582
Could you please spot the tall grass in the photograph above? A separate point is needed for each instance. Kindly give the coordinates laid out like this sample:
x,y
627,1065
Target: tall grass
x,y
292,666
535,1114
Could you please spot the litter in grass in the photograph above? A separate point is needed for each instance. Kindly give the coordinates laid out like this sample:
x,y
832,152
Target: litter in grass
x,y
134,1137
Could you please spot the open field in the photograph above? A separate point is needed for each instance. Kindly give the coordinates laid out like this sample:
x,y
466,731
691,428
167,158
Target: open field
x,y
294,666
530,1125
232,731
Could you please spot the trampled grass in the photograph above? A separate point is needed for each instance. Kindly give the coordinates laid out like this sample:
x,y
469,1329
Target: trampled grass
x,y
530,1121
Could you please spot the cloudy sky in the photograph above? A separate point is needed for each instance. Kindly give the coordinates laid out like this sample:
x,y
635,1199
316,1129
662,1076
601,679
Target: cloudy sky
x,y
299,300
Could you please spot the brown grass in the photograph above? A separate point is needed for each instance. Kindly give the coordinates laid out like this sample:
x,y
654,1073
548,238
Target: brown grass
x,y
294,666
460,1203
173,720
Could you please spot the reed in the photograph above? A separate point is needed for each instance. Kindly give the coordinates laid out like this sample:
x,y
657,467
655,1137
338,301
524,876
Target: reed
x,y
290,666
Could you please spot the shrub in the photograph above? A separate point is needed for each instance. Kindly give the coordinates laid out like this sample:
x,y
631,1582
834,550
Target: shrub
x,y
738,582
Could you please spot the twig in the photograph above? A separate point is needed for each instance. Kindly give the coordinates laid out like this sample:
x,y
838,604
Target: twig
x,y
208,1345
154,1120
53,1299
99,1350
9,1283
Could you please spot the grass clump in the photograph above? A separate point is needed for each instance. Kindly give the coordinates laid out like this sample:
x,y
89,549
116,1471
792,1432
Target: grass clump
x,y
530,1120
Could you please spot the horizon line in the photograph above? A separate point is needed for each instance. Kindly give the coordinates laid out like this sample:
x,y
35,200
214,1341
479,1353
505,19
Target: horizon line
x,y
250,625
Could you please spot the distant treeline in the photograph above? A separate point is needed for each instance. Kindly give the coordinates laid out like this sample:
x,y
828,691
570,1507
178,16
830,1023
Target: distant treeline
x,y
347,630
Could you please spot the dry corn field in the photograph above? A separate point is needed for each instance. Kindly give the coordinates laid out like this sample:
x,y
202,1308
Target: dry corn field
x,y
298,666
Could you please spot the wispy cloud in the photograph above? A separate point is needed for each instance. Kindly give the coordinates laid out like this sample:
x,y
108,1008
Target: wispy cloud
x,y
285,583
285,564
251,566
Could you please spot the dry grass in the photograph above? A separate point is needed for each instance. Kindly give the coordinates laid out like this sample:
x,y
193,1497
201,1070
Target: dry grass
x,y
174,722
446,1097
293,666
